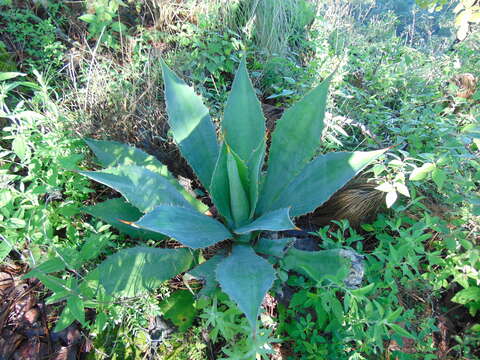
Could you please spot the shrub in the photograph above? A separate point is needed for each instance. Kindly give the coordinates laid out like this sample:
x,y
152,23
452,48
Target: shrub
x,y
34,36
248,201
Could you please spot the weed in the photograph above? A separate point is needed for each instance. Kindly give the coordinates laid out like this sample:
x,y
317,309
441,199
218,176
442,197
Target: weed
x,y
32,39
104,22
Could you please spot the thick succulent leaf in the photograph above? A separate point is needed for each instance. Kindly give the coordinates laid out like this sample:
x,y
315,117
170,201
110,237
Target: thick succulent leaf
x,y
249,178
192,128
112,210
243,121
206,273
322,178
220,187
246,277
113,153
133,271
141,187
242,169
317,264
254,165
188,226
273,247
239,202
294,142
276,220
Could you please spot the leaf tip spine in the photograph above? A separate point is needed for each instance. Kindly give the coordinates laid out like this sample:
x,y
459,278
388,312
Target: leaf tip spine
x,y
131,223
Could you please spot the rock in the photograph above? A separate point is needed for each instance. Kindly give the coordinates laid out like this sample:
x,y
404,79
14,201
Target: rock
x,y
285,295
357,270
160,328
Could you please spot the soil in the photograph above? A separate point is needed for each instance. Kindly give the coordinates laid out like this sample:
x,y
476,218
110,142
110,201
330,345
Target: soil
x,y
27,323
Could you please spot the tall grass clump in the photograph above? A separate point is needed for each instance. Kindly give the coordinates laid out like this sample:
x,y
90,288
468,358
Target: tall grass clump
x,y
280,24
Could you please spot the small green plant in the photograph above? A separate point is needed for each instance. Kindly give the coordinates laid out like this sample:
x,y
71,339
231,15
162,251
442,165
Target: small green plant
x,y
211,59
35,154
103,21
326,319
223,319
40,200
314,320
34,39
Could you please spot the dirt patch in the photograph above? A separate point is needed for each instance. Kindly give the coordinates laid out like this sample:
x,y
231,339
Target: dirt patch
x,y
26,322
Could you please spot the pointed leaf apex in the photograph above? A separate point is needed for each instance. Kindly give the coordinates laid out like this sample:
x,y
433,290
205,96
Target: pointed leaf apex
x,y
163,63
243,62
165,67
131,223
246,277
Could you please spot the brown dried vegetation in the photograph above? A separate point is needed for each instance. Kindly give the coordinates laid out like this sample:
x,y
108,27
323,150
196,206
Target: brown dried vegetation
x,y
25,322
466,83
358,202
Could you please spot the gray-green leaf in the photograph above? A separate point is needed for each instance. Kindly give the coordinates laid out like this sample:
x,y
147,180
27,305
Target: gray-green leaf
x,y
239,201
192,128
133,271
245,278
276,220
254,165
113,153
188,226
141,187
243,122
206,273
220,187
113,210
321,179
273,247
294,142
317,264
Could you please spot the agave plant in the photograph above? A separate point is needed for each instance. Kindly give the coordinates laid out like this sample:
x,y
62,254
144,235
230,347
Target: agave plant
x,y
248,199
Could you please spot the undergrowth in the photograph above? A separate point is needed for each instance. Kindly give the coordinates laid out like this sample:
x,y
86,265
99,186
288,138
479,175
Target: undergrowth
x,y
392,88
